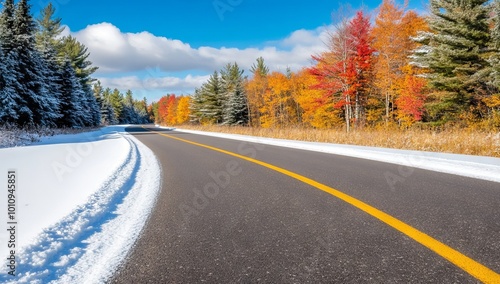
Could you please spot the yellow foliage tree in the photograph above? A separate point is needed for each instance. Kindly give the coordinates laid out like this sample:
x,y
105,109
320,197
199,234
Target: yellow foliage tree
x,y
317,109
279,109
183,111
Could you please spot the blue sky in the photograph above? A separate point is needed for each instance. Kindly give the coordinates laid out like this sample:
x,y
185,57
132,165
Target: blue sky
x,y
160,47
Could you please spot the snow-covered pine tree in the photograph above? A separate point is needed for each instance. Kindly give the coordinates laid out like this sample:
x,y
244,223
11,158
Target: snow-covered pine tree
x,y
128,113
71,105
12,106
207,104
98,94
78,55
7,26
108,114
461,38
235,109
31,70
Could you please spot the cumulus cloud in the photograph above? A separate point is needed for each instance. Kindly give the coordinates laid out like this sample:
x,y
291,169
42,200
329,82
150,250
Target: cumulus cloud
x,y
151,83
115,51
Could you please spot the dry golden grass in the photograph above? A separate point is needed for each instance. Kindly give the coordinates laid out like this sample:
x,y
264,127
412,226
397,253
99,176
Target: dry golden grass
x,y
470,142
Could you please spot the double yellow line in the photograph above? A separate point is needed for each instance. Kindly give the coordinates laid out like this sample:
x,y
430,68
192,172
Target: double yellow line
x,y
474,268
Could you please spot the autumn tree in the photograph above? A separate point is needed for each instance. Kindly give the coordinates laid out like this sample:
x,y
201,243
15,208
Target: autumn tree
x,y
316,109
360,64
390,45
331,70
279,109
171,115
182,112
255,90
344,70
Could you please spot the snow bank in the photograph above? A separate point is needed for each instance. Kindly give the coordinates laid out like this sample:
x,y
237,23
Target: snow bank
x,y
486,168
82,202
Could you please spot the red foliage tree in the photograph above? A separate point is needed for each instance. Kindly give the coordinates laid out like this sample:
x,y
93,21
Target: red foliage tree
x,y
345,70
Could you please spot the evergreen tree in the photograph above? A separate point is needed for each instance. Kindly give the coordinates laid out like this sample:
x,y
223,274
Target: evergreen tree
x,y
260,68
128,114
7,26
461,38
494,58
207,105
72,107
108,115
12,106
49,29
116,101
47,44
78,54
103,110
31,70
235,110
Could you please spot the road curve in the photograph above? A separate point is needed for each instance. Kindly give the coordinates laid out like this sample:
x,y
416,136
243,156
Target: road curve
x,y
229,212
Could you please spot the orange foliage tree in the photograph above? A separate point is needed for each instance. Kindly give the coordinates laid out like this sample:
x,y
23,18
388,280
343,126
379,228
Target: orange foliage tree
x,y
392,39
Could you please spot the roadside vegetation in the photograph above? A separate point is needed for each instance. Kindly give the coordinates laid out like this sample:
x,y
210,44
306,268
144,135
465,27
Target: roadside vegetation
x,y
402,80
457,141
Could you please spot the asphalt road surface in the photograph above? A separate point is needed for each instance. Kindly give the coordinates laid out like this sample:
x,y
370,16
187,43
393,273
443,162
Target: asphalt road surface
x,y
291,216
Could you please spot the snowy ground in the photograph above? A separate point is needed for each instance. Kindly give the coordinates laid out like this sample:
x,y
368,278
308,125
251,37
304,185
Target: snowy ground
x,y
81,201
486,168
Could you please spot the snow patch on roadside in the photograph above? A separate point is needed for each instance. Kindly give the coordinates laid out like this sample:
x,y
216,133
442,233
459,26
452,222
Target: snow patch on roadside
x,y
88,244
486,168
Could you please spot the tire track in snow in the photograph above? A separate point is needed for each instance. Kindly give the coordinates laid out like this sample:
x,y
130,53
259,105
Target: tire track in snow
x,y
89,244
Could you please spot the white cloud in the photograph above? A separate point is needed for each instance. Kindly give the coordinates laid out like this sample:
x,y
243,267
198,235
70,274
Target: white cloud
x,y
152,84
115,51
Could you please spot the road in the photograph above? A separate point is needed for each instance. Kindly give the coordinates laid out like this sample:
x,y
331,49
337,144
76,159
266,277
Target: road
x,y
237,212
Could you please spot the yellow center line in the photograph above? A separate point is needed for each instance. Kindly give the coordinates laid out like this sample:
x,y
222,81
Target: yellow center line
x,y
469,265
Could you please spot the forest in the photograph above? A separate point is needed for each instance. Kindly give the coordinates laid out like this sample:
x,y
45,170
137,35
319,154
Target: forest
x,y
46,79
400,70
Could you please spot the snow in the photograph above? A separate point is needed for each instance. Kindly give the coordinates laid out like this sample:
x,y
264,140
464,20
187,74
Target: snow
x,y
486,168
82,201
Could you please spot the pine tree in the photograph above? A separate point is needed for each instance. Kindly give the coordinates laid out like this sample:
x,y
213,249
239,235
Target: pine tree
x,y
116,101
457,55
494,58
235,108
108,115
49,29
207,104
7,26
31,69
78,54
128,115
71,105
12,106
260,68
